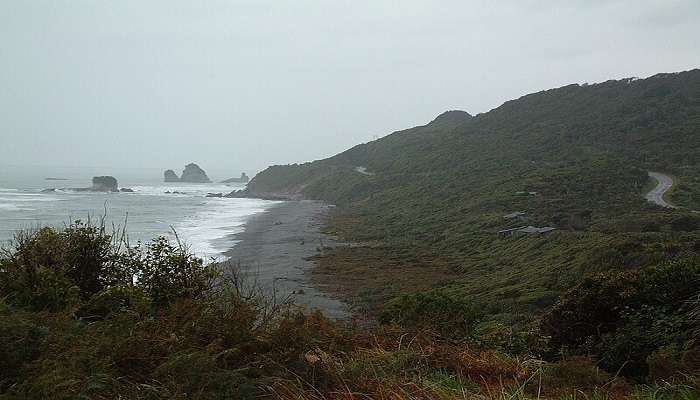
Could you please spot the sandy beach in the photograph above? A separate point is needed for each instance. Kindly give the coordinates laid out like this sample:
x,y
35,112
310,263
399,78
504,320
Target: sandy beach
x,y
275,248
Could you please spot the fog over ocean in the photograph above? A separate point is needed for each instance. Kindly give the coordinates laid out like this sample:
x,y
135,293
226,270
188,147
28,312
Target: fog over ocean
x,y
205,224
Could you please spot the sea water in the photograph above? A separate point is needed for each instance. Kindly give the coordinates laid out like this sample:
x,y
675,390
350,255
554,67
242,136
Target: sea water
x,y
205,224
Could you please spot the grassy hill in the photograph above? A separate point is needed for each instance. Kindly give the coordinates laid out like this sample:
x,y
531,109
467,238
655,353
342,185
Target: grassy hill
x,y
427,201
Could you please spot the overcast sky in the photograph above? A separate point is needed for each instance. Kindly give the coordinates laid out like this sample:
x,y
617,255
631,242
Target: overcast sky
x,y
243,84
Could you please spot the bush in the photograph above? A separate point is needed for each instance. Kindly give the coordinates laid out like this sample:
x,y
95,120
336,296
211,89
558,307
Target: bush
x,y
686,223
673,361
167,272
434,310
21,341
513,340
624,317
114,300
51,269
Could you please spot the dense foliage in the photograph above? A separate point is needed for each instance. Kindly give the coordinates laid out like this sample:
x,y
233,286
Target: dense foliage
x,y
623,318
83,316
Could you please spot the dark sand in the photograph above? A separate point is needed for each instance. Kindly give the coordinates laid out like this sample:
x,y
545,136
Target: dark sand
x,y
275,249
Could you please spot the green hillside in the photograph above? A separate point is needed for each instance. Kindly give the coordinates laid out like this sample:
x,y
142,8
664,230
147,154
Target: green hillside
x,y
426,203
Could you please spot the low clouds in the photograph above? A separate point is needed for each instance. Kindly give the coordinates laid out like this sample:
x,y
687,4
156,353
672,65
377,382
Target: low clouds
x,y
245,84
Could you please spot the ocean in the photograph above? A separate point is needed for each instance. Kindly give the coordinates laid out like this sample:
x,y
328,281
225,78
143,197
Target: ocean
x,y
205,224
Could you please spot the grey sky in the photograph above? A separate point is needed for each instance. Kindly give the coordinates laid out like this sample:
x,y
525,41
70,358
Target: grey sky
x,y
243,84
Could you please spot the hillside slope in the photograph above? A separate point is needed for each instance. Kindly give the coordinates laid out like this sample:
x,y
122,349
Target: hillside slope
x,y
429,200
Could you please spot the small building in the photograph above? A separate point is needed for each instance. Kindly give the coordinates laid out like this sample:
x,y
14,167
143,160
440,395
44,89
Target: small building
x,y
534,229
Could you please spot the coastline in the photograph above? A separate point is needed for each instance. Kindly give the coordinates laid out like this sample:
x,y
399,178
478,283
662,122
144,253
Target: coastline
x,y
276,246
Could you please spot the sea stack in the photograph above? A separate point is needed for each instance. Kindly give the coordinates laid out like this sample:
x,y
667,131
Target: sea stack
x,y
170,176
104,184
193,174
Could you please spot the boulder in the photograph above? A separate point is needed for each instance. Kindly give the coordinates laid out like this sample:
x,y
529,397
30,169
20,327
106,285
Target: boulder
x,y
104,184
215,195
170,176
126,190
193,174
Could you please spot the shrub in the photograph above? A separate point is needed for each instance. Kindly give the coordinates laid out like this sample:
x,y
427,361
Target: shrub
x,y
686,223
436,310
114,300
674,360
21,341
51,269
48,269
514,340
167,272
623,317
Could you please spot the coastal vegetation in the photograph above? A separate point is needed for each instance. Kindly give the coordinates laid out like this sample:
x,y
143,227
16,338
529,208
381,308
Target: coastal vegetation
x,y
575,158
83,314
424,207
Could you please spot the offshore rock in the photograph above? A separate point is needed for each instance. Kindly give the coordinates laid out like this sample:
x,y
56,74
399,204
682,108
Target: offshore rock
x,y
104,184
193,174
170,176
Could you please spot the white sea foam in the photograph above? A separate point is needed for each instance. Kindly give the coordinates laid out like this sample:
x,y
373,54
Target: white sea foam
x,y
29,198
208,231
188,190
12,207
204,223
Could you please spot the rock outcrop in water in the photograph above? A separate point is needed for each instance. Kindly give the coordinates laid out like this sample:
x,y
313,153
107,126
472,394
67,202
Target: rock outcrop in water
x,y
243,179
99,184
170,176
104,184
193,174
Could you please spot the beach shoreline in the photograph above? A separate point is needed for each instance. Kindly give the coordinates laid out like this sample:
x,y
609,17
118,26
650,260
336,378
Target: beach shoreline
x,y
275,248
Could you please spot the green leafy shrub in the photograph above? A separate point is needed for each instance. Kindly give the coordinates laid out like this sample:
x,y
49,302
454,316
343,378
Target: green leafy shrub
x,y
21,341
624,317
114,300
436,310
167,272
509,339
52,269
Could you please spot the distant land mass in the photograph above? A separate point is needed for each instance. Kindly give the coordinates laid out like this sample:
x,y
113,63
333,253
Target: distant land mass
x,y
576,159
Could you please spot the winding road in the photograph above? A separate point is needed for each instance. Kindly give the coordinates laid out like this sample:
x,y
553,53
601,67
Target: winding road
x,y
656,195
